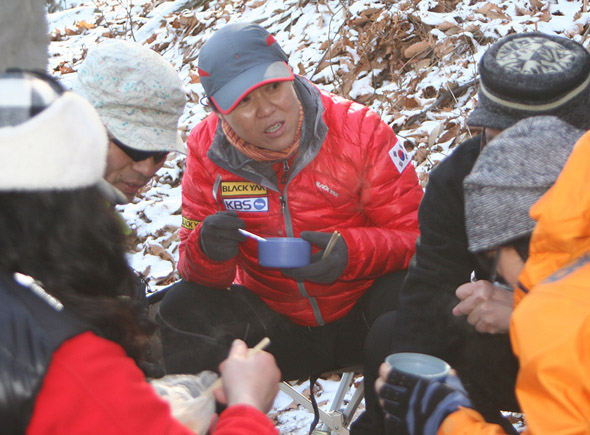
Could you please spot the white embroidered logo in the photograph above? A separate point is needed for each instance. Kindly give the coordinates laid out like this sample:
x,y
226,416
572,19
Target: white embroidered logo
x,y
326,188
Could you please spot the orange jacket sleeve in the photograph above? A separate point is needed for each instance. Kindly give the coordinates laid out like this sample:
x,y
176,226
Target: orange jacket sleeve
x,y
467,421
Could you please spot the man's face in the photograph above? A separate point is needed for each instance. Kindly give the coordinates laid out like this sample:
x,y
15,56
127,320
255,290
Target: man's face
x,y
267,117
128,175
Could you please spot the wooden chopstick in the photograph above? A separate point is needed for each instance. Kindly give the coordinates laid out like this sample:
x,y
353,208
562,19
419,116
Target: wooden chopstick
x,y
219,382
331,243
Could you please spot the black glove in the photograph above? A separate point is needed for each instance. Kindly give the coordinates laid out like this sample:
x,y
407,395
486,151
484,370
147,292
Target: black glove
x,y
220,236
321,271
417,406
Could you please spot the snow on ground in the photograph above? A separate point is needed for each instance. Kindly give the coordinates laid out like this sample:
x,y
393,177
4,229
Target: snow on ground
x,y
398,57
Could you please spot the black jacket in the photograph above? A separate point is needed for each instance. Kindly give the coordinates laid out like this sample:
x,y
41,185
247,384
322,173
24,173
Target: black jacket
x,y
442,263
424,321
31,329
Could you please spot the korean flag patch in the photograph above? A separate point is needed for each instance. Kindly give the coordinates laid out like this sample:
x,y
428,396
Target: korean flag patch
x,y
399,156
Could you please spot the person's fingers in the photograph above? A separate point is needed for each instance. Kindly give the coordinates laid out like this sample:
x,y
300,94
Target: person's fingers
x,y
474,316
465,290
384,369
310,271
467,305
493,317
379,382
482,288
316,238
483,327
219,394
472,296
457,310
238,349
213,422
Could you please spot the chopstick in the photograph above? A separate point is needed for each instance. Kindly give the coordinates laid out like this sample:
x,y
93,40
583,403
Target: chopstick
x,y
219,382
331,243
251,235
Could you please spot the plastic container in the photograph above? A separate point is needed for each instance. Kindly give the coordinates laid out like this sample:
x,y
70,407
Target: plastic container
x,y
420,365
187,404
284,252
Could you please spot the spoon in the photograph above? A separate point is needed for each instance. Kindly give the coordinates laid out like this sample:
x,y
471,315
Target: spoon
x,y
252,235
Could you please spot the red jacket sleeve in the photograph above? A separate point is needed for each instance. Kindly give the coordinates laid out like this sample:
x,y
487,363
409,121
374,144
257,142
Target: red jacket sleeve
x,y
390,196
467,421
197,204
92,387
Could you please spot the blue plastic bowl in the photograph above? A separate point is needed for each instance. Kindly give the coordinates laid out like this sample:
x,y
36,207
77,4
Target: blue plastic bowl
x,y
284,252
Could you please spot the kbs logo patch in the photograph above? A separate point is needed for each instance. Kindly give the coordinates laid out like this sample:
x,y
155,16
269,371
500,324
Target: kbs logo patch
x,y
246,204
189,224
244,196
242,188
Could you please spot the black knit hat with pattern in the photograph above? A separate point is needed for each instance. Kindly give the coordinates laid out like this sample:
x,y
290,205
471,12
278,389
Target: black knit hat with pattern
x,y
531,74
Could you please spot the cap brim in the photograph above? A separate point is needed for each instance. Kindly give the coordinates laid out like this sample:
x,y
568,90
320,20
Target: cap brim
x,y
491,226
227,98
482,117
139,137
179,146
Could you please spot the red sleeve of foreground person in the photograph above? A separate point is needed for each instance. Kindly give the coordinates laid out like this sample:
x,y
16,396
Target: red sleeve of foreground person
x,y
92,387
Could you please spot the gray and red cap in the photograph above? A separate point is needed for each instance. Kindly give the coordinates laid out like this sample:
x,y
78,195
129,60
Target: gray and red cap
x,y
237,59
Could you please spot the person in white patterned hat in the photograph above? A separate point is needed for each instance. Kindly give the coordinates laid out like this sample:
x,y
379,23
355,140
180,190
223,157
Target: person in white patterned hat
x,y
70,334
140,99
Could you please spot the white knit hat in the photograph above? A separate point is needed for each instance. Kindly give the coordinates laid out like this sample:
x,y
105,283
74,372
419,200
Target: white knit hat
x,y
136,92
49,140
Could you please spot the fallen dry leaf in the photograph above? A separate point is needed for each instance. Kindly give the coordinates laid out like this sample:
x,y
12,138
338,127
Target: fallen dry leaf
x,y
84,25
157,250
415,49
445,25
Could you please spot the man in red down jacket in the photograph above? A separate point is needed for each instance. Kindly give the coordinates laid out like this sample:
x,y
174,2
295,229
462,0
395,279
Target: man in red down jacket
x,y
281,158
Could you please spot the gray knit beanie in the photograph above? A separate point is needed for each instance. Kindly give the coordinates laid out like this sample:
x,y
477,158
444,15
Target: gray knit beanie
x,y
533,74
512,172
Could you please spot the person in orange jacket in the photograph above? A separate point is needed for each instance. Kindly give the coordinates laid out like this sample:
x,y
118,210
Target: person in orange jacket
x,y
549,328
521,75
